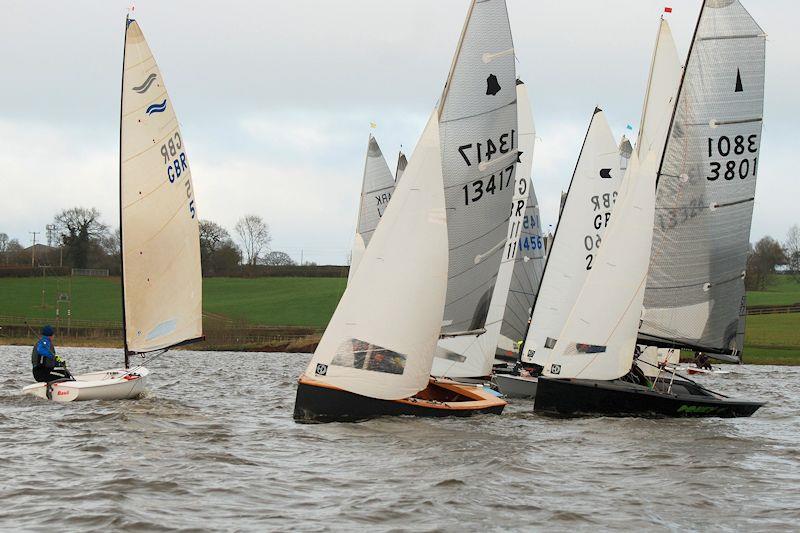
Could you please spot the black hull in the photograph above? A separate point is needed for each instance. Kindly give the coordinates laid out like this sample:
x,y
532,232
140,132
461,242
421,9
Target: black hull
x,y
323,404
575,397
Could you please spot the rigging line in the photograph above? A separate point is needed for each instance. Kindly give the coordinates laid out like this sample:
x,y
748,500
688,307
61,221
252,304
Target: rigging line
x,y
147,360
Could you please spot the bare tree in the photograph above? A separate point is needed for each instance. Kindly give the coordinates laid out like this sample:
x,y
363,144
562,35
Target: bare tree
x,y
761,262
792,249
218,253
254,236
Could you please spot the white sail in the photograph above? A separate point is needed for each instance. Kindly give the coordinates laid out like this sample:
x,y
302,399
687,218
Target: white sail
x,y
382,347
599,336
659,100
480,144
652,360
159,226
473,355
376,191
585,215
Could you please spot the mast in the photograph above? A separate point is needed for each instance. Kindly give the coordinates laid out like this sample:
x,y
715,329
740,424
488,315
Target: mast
x,y
555,233
649,82
121,255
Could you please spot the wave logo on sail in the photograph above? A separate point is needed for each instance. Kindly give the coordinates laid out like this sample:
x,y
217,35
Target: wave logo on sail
x,y
141,89
157,108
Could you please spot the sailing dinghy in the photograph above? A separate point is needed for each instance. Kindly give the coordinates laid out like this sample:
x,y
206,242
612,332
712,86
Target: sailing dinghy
x,y
430,250
159,233
696,223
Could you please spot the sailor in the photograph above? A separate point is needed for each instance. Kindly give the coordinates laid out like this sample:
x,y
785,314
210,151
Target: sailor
x,y
701,360
47,366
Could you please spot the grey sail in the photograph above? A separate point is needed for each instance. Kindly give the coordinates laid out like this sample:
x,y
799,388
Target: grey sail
x,y
479,143
528,269
376,191
402,163
706,187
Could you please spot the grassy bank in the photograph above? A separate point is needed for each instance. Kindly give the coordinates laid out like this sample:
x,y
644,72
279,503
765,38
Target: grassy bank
x,y
259,301
782,290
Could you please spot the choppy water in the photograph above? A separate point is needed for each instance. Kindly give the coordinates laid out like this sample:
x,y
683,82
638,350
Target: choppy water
x,y
213,447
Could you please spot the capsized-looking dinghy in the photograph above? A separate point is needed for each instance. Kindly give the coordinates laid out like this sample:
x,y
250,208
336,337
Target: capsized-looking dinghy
x,y
379,351
159,233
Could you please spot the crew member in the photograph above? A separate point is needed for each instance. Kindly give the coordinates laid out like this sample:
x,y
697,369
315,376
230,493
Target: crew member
x,y
47,366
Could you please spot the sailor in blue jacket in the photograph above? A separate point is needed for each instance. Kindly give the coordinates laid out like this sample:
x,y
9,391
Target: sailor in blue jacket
x,y
47,366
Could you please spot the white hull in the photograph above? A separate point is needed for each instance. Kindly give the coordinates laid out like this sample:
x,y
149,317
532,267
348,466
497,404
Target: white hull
x,y
116,384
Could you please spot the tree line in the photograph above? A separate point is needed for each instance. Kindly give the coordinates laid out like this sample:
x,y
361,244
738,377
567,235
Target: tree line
x,y
77,238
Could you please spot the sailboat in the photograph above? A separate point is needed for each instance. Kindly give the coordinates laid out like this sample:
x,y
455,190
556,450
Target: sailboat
x,y
470,357
377,187
586,212
432,258
160,237
671,269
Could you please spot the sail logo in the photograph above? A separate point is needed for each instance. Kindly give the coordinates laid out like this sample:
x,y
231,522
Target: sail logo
x,y
492,85
141,89
555,369
321,369
157,108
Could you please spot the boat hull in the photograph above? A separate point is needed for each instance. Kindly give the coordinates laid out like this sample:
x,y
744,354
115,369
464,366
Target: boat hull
x,y
516,386
114,384
320,402
575,397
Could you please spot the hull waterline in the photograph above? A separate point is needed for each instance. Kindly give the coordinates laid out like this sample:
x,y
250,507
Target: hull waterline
x,y
575,397
319,402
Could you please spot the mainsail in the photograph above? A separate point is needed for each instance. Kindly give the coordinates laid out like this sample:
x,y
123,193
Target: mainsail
x,y
706,187
162,285
480,144
382,347
376,191
473,355
599,335
586,213
402,163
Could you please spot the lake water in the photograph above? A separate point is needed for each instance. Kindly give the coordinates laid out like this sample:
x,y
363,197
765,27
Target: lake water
x,y
213,446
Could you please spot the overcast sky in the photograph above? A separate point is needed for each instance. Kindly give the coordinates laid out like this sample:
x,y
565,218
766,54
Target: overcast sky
x,y
275,100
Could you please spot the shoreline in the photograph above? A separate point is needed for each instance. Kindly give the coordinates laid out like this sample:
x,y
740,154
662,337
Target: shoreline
x,y
758,355
305,345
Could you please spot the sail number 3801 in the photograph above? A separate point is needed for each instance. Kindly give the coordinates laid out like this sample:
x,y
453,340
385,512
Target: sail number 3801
x,y
733,168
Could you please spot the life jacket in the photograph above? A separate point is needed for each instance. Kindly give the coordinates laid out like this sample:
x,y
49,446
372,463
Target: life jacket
x,y
41,361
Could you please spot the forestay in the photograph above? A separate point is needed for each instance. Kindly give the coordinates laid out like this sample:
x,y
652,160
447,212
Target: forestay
x,y
159,227
381,339
599,335
473,355
376,191
706,186
526,234
479,144
585,215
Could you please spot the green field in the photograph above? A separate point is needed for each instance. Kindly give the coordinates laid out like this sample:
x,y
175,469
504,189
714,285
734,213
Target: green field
x,y
311,302
782,290
261,301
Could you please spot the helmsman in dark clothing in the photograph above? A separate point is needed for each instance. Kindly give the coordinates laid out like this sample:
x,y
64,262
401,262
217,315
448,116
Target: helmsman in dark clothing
x,y
47,366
